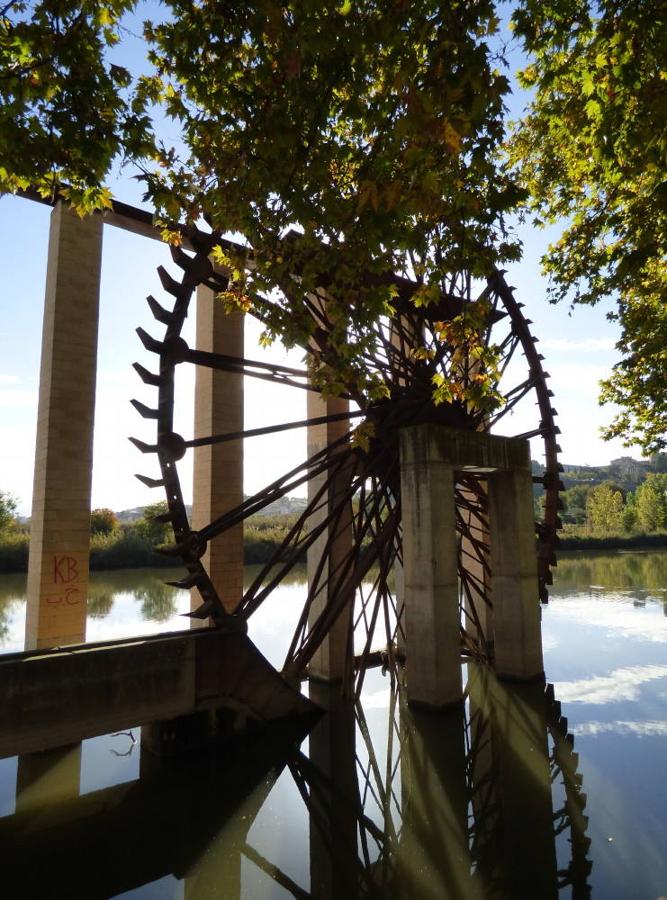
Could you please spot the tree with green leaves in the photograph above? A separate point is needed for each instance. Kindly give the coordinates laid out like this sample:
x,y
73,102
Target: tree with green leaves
x,y
7,510
651,503
103,521
604,510
342,143
591,152
149,526
345,142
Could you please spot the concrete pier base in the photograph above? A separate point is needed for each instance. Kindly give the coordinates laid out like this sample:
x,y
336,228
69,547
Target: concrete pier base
x,y
431,595
431,459
60,523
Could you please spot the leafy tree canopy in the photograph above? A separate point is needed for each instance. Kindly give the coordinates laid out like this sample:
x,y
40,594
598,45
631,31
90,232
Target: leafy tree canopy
x,y
345,141
592,151
103,521
7,509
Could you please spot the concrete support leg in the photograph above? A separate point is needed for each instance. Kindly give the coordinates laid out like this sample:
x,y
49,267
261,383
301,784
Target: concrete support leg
x,y
430,571
60,524
516,608
329,662
218,469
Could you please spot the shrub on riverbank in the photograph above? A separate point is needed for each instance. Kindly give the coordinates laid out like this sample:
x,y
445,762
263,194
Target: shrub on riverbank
x,y
570,540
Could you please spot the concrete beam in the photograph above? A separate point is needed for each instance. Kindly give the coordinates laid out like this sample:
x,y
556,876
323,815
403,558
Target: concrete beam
x,y
51,699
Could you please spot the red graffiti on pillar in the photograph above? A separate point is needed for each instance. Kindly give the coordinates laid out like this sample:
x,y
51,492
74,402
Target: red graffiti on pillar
x,y
65,570
72,596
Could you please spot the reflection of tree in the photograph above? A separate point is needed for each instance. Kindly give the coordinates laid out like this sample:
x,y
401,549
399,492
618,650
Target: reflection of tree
x,y
100,603
158,600
614,571
12,594
4,622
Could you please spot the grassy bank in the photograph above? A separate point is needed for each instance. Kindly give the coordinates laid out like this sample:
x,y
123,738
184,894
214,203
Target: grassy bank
x,y
584,541
128,548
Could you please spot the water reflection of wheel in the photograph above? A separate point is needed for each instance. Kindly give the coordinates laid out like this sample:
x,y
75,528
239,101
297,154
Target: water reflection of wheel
x,y
360,483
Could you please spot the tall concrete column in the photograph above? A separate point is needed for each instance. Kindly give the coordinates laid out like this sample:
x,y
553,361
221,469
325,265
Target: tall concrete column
x,y
430,572
218,469
60,524
514,589
328,663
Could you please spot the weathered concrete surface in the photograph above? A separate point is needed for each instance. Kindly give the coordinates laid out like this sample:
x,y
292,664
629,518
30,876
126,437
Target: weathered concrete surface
x,y
514,593
60,529
218,469
430,575
431,456
51,699
464,450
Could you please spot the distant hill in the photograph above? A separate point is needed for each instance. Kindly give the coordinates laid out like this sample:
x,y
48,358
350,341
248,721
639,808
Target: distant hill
x,y
282,507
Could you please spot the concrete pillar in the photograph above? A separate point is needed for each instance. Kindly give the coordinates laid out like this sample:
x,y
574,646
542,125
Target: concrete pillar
x,y
218,469
60,524
430,572
329,661
514,589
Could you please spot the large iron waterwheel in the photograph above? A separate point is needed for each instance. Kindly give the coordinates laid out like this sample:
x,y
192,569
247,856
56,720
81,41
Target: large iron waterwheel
x,y
363,478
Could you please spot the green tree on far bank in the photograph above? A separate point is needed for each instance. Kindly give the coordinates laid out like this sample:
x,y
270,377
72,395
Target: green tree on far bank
x,y
103,521
651,503
149,526
7,510
604,510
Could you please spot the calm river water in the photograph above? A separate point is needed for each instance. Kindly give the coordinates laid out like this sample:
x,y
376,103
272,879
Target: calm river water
x,y
378,802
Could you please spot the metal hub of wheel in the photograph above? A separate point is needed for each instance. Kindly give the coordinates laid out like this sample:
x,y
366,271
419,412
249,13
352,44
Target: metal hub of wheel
x,y
358,481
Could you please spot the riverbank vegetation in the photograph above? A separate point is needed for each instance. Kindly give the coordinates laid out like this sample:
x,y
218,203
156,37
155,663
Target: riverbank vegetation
x,y
116,545
599,517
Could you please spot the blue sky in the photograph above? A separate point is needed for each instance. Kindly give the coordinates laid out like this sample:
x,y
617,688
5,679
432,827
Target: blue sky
x,y
579,351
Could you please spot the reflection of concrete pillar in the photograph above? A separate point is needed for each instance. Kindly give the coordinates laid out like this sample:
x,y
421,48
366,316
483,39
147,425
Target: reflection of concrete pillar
x,y
328,662
430,567
60,524
48,778
433,859
335,801
218,469
516,608
525,855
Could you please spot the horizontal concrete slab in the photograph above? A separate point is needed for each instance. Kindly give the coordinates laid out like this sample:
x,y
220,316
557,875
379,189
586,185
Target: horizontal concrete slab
x,y
463,450
53,698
